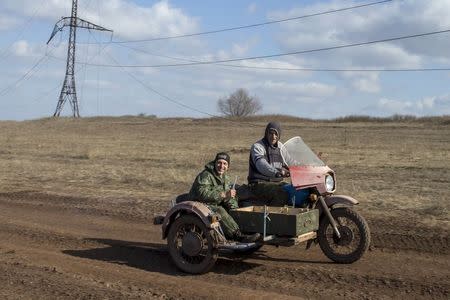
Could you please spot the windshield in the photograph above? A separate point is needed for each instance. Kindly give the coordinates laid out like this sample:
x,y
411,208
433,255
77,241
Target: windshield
x,y
297,153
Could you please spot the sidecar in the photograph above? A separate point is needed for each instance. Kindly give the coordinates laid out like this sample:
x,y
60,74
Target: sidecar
x,y
195,239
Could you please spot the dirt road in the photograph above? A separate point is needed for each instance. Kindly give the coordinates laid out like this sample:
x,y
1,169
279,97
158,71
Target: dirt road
x,y
63,247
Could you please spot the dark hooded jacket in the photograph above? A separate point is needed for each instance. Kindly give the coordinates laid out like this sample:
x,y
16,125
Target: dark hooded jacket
x,y
265,160
208,186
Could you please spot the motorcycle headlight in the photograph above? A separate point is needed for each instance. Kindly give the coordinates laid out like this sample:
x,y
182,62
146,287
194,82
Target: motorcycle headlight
x,y
329,183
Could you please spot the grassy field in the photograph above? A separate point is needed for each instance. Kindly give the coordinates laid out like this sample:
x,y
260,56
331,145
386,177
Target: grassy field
x,y
398,168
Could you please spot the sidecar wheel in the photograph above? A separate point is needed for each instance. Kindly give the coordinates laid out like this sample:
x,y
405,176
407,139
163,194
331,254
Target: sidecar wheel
x,y
191,245
355,236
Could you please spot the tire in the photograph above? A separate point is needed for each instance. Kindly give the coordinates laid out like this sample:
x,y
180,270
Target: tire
x,y
355,236
186,231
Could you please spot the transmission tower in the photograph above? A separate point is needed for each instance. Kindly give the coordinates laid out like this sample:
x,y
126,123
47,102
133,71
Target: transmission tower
x,y
68,91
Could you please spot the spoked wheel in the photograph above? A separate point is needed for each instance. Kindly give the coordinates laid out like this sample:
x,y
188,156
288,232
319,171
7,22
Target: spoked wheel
x,y
191,245
354,240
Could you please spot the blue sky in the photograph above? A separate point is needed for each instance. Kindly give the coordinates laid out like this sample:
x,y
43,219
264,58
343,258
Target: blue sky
x,y
29,93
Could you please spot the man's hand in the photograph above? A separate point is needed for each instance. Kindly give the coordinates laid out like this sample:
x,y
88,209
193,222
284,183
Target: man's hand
x,y
285,173
228,194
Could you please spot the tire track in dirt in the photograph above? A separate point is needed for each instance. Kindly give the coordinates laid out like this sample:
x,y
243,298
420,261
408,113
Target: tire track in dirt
x,y
419,243
88,243
267,277
48,283
409,237
38,246
121,208
303,280
89,277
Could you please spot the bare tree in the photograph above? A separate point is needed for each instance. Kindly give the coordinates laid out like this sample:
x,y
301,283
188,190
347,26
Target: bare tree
x,y
239,104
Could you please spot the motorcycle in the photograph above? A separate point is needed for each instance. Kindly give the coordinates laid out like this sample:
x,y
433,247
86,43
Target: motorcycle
x,y
313,215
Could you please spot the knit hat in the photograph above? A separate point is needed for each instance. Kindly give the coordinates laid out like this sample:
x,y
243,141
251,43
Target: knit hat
x,y
222,155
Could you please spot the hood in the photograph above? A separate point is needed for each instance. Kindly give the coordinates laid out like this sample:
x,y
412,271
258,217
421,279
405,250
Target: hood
x,y
272,125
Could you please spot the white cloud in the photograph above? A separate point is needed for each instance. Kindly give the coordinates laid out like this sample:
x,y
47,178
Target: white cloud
x,y
426,103
222,55
252,7
142,22
392,106
434,105
21,48
275,64
236,50
382,56
94,83
239,49
268,63
388,20
310,89
53,10
128,20
366,85
367,82
208,93
7,22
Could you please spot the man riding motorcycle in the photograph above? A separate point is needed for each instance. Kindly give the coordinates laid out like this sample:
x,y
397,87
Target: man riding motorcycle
x,y
267,168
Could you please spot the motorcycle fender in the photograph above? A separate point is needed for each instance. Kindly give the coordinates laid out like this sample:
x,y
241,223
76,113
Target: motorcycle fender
x,y
340,201
192,207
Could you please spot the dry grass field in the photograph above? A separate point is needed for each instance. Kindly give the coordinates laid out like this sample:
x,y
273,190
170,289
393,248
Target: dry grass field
x,y
114,173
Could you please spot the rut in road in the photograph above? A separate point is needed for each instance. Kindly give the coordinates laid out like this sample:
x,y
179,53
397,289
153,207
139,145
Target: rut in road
x,y
108,255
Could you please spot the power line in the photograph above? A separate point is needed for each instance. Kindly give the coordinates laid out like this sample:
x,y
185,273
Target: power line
x,y
4,54
47,93
286,69
153,90
76,72
15,84
160,94
287,54
289,69
254,25
165,97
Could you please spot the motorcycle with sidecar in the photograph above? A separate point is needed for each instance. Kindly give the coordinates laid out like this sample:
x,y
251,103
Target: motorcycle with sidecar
x,y
314,214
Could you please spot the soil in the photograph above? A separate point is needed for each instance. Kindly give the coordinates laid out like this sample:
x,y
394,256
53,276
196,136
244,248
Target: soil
x,y
54,246
78,196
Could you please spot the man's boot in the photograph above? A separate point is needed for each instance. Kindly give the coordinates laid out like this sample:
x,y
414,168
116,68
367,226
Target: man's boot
x,y
246,238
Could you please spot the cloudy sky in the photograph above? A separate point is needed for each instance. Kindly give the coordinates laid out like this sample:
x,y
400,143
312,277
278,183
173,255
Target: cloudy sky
x,y
116,74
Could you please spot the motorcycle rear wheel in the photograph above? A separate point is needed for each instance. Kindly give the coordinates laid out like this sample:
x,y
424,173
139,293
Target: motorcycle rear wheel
x,y
355,236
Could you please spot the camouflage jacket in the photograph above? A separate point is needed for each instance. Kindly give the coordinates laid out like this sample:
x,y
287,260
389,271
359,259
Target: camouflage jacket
x,y
208,186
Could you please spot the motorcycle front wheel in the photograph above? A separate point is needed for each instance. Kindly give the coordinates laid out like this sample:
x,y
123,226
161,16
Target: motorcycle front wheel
x,y
354,240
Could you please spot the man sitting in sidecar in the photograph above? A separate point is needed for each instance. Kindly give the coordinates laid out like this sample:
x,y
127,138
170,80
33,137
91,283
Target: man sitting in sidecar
x,y
212,187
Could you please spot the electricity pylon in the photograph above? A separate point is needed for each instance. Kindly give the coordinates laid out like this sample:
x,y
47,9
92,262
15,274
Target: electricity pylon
x,y
68,91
